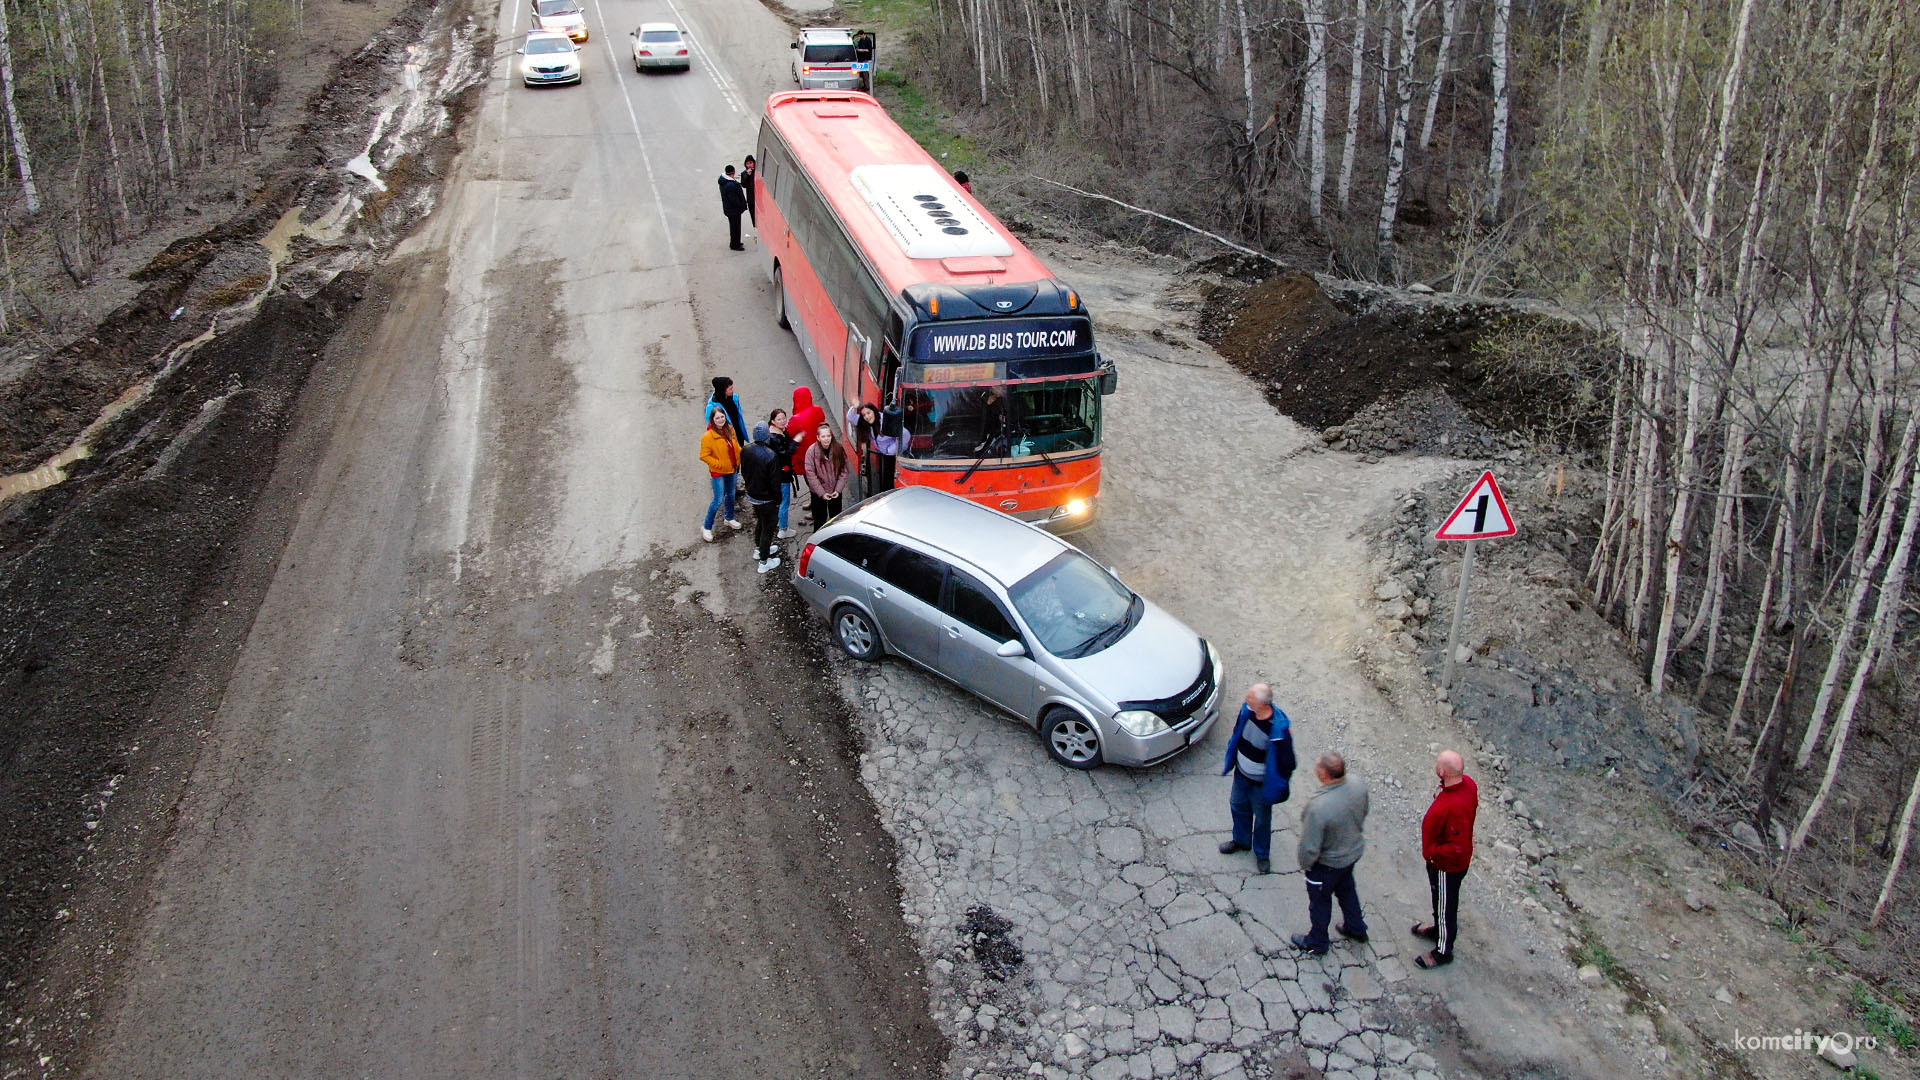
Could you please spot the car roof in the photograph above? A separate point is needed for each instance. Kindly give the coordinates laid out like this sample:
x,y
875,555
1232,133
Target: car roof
x,y
1004,547
646,26
827,35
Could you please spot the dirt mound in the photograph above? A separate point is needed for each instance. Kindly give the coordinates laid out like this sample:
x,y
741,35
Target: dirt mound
x,y
1326,359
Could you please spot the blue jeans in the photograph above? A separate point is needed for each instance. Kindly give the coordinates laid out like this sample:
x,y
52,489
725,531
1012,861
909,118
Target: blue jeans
x,y
786,504
723,493
1325,884
1252,817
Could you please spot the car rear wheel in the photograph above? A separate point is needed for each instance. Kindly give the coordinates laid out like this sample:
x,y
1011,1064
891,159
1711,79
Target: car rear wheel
x,y
780,299
856,634
1070,739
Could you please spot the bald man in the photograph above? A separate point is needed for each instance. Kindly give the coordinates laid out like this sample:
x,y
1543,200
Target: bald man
x,y
1260,758
1446,841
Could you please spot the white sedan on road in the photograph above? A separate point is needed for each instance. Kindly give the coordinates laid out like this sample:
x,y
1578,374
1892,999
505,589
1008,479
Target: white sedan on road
x,y
660,45
549,58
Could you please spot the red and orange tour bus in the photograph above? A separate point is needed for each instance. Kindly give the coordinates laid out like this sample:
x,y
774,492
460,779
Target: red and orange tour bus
x,y
908,294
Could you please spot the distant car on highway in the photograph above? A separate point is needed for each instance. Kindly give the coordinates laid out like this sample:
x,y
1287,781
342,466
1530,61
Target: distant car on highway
x,y
1019,617
549,58
660,45
563,16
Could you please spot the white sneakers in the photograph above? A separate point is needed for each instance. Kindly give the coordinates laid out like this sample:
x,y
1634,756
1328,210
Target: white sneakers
x,y
707,535
765,565
735,522
787,534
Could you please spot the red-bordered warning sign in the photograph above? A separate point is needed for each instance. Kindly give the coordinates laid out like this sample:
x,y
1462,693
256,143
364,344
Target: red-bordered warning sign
x,y
1482,515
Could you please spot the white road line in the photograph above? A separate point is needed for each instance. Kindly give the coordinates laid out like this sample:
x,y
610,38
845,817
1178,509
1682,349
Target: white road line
x,y
710,65
646,159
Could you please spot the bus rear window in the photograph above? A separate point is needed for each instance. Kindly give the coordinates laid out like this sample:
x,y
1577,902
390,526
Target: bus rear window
x,y
829,54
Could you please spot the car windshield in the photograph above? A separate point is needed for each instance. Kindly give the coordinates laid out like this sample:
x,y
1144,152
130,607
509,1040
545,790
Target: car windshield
x,y
555,7
1074,607
548,45
660,35
1008,420
829,54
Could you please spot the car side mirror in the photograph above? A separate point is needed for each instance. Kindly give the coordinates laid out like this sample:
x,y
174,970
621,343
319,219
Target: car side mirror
x,y
793,44
1011,649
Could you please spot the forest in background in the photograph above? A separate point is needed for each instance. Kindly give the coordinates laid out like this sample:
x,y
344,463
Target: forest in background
x,y
1724,191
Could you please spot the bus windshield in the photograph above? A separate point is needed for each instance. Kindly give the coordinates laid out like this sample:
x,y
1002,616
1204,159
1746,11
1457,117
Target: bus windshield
x,y
1055,416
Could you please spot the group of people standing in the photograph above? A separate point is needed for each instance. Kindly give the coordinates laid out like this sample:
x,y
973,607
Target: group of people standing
x,y
793,446
736,198
1261,761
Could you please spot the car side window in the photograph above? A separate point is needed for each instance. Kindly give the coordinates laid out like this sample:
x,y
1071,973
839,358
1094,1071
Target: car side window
x,y
915,573
972,604
863,551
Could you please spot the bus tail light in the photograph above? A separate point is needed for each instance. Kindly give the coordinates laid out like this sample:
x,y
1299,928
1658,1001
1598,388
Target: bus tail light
x,y
806,556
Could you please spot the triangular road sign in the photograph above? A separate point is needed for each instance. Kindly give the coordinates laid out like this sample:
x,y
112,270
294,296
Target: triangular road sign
x,y
1482,515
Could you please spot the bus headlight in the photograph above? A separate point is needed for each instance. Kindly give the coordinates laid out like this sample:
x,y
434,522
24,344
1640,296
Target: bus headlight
x,y
1074,507
1139,722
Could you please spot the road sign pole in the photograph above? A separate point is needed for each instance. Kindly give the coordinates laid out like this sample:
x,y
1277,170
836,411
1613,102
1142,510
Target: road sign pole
x,y
1459,616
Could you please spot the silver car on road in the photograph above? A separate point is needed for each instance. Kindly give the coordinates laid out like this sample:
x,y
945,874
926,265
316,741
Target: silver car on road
x,y
1019,617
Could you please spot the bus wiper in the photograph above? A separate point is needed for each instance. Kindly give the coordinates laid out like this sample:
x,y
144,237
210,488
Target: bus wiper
x,y
986,451
1042,454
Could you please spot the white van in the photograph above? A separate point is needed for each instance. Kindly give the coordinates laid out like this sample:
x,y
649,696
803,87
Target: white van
x,y
833,58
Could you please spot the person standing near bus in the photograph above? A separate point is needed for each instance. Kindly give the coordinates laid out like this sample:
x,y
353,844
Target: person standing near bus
x,y
872,445
760,469
805,423
748,170
725,397
782,445
733,203
720,453
827,470
965,181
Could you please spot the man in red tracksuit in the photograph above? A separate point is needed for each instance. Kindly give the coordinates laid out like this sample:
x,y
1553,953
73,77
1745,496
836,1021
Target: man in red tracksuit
x,y
1446,841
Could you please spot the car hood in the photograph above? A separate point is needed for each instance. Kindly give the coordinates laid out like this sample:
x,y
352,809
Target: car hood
x,y
571,18
1158,658
553,60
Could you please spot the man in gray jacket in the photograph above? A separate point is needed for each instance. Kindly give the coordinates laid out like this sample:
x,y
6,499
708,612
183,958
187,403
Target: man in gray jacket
x,y
1331,842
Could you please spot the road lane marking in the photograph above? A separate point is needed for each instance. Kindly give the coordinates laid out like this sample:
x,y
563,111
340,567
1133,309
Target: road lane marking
x,y
709,65
646,159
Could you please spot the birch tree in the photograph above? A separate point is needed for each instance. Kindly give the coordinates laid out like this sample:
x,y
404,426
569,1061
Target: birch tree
x,y
1449,15
22,153
1315,106
1502,110
1356,82
1397,137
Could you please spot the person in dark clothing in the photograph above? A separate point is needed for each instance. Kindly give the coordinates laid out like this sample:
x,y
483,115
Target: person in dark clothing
x,y
1332,839
733,203
783,447
760,469
1446,841
1260,757
748,171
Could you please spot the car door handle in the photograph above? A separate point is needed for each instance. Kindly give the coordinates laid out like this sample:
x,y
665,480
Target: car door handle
x,y
953,632
879,593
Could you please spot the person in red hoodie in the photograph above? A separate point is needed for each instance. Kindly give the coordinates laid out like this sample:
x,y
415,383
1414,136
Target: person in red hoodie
x,y
803,427
1446,841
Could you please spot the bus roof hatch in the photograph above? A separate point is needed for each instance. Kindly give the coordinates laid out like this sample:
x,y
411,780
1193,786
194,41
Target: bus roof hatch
x,y
926,212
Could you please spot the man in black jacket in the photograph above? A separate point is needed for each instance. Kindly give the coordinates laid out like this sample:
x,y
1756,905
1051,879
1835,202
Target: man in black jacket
x,y
760,470
733,203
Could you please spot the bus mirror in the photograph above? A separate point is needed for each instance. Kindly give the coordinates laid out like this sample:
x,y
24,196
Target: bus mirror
x,y
1109,381
793,44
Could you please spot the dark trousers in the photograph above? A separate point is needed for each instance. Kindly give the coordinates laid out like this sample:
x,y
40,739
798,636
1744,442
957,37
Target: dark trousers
x,y
733,231
1453,879
1252,816
1325,884
823,509
766,522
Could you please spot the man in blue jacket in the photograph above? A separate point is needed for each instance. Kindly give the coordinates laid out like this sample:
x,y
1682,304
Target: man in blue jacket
x,y
1260,757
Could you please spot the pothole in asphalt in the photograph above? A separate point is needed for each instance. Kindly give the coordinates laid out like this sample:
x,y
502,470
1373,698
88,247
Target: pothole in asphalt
x,y
989,936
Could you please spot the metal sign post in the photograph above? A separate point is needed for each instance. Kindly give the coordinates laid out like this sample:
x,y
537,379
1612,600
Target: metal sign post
x,y
1482,515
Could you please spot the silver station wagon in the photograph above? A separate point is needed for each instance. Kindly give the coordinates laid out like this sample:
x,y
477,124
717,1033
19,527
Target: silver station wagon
x,y
1019,617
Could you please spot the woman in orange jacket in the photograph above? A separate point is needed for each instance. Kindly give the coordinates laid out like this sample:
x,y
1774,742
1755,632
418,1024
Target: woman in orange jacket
x,y
720,453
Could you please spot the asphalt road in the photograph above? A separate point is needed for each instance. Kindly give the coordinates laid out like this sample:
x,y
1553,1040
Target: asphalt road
x,y
515,776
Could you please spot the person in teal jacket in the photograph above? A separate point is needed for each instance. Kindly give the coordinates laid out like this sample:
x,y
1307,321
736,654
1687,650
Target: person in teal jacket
x,y
1260,758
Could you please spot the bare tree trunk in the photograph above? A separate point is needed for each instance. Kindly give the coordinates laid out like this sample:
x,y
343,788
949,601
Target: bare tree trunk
x,y
22,154
1356,83
1900,846
1316,107
1497,138
1397,138
1449,15
1886,618
1246,71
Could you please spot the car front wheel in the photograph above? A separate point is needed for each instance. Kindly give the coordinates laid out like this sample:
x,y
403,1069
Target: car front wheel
x,y
1070,739
856,634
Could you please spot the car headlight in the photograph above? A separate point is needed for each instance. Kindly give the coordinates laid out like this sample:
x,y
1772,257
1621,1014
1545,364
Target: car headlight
x,y
1075,507
1139,722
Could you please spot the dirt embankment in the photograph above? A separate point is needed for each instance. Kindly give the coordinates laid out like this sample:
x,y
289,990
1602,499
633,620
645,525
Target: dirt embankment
x,y
146,562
